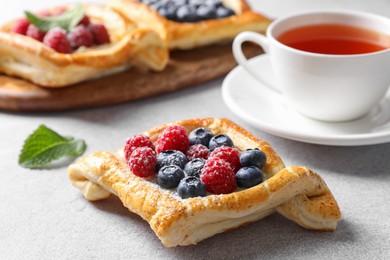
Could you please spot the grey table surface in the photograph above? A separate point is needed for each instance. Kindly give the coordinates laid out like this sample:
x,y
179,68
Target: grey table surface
x,y
43,217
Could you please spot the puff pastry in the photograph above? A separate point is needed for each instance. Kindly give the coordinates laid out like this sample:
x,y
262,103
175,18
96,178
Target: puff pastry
x,y
191,35
295,192
29,59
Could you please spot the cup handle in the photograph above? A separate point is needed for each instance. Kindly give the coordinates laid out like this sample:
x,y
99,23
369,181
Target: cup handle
x,y
260,40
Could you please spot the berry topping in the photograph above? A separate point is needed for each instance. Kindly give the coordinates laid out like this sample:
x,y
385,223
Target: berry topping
x,y
197,151
20,26
206,12
143,161
35,33
85,34
99,33
190,10
191,187
85,21
224,12
220,140
138,140
229,155
253,157
169,176
249,176
171,157
194,167
186,13
200,136
80,36
173,138
218,176
57,40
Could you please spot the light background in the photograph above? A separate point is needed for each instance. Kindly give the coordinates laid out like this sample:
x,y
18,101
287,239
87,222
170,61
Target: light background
x,y
43,217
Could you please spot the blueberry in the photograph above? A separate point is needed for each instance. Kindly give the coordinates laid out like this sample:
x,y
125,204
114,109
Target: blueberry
x,y
249,176
220,140
253,157
155,6
194,167
196,3
214,3
171,157
200,136
224,12
186,13
168,12
191,187
205,12
180,2
168,177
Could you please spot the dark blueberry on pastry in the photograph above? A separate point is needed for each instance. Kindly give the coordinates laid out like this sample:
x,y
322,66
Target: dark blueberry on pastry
x,y
249,176
200,136
194,167
168,177
171,157
253,157
220,140
191,187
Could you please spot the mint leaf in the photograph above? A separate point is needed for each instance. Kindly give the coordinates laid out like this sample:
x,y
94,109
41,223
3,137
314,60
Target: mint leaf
x,y
44,146
66,21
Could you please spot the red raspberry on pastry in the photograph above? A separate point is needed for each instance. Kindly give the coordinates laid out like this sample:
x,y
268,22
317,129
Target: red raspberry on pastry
x,y
21,26
197,151
35,33
99,33
80,36
143,162
85,21
136,141
173,138
228,154
218,176
57,40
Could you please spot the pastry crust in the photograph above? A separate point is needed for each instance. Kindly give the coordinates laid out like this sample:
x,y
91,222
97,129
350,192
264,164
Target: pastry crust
x,y
27,58
192,35
296,192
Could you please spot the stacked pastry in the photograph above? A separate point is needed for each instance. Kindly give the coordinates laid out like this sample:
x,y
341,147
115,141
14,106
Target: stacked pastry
x,y
189,214
65,45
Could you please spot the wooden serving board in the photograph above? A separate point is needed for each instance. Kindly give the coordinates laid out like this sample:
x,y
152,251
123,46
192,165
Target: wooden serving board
x,y
185,69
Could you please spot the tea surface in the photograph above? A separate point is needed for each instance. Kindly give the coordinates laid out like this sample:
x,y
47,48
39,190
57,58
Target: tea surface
x,y
335,39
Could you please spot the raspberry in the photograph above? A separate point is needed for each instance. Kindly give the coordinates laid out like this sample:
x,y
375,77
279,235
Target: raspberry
x,y
197,151
143,162
80,36
100,33
229,155
136,141
218,176
57,40
20,26
35,33
173,138
85,21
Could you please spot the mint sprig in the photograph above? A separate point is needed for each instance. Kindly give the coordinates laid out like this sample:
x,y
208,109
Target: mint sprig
x,y
66,21
44,146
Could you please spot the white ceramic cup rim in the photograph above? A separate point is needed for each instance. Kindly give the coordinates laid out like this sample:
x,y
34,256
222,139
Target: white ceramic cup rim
x,y
279,22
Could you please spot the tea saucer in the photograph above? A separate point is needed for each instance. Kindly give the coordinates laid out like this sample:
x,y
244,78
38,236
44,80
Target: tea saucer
x,y
271,113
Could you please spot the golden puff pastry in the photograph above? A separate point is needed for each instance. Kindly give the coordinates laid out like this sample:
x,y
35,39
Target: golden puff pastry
x,y
29,59
295,192
191,35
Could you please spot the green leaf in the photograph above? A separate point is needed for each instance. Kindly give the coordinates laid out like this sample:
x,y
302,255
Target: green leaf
x,y
44,146
66,21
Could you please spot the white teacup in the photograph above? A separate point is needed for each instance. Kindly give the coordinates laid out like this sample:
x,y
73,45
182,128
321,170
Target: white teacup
x,y
329,87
